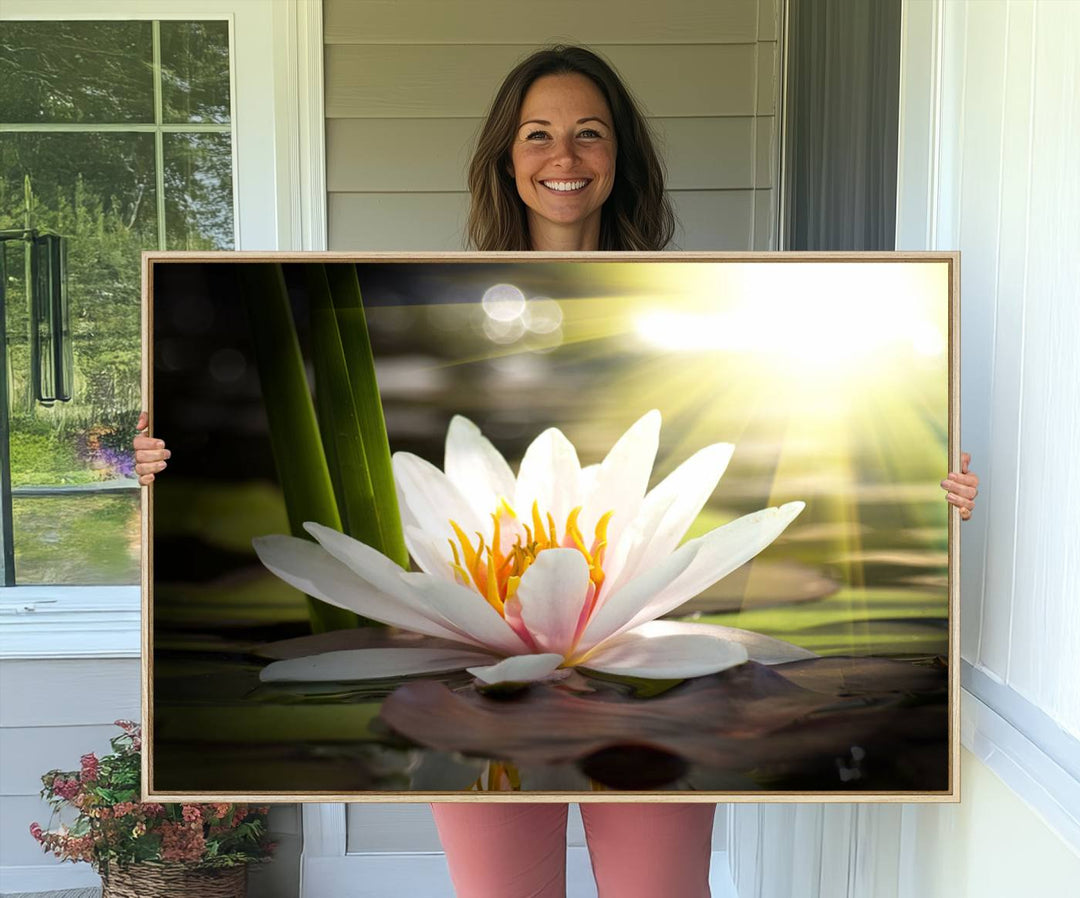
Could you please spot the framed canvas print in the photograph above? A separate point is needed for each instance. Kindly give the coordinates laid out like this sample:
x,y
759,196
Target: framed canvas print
x,y
589,527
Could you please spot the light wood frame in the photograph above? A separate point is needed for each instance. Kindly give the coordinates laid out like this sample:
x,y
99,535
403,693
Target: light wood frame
x,y
949,795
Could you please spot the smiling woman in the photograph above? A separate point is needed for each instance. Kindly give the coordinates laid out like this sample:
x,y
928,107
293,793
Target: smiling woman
x,y
565,161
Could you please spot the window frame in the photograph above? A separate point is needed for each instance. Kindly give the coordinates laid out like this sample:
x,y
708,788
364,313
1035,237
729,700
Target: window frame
x,y
279,203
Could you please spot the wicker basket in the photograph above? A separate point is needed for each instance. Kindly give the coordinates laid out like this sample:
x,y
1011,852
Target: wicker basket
x,y
174,881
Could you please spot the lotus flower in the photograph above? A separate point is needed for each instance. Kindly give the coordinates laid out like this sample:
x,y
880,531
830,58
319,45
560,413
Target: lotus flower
x,y
525,578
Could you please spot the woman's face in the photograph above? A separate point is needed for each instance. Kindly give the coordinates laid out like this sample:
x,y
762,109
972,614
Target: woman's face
x,y
563,155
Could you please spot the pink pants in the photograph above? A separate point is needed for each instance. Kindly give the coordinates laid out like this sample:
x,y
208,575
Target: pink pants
x,y
646,850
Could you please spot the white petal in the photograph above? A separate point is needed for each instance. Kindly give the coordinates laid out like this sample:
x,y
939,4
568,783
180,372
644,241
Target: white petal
x,y
467,611
548,476
460,609
668,511
429,500
719,553
518,669
370,664
620,607
588,478
663,657
760,648
622,479
476,467
431,554
552,592
312,570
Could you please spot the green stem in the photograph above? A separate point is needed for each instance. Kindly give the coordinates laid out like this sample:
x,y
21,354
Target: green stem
x,y
294,433
360,361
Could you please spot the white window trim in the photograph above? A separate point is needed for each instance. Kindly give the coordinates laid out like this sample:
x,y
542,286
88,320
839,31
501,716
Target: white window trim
x,y
280,203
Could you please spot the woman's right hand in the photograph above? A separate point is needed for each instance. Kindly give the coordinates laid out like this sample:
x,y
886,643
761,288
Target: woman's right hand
x,y
150,453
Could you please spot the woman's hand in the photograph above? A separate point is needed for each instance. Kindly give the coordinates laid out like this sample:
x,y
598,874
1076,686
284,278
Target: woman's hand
x,y
150,454
961,487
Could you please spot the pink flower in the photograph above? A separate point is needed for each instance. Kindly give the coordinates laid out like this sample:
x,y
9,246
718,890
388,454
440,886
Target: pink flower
x,y
191,813
153,809
181,842
123,808
36,831
89,767
65,788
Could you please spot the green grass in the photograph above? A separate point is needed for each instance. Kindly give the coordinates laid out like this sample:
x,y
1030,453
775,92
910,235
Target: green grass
x,y
77,540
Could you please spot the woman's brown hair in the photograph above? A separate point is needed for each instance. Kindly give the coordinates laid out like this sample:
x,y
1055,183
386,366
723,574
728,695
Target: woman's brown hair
x,y
637,214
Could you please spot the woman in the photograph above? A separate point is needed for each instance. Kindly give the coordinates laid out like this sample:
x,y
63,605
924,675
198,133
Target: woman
x,y
565,163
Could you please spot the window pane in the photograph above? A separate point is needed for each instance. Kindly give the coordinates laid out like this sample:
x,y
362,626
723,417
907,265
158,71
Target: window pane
x,y
198,191
98,191
76,72
195,71
80,540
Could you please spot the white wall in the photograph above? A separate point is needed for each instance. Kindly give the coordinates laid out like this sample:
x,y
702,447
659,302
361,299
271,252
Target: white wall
x,y
991,844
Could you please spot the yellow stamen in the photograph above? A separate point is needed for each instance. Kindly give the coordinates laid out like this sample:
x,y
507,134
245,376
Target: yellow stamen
x,y
511,587
602,525
496,575
493,596
538,524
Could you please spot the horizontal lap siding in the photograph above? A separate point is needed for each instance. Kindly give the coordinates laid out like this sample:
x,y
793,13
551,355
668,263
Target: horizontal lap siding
x,y
381,155
53,712
526,22
408,83
460,80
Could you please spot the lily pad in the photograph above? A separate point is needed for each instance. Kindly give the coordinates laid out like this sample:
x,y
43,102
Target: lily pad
x,y
750,720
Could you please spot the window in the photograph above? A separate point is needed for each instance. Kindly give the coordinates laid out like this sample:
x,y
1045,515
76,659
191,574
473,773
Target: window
x,y
117,136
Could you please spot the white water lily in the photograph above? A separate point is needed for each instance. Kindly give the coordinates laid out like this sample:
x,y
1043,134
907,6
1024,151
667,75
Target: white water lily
x,y
530,576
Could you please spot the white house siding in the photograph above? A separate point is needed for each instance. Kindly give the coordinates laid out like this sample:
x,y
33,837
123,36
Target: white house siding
x,y
408,83
53,711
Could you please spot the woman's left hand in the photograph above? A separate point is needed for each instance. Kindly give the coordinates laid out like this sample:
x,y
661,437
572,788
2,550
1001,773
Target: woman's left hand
x,y
962,487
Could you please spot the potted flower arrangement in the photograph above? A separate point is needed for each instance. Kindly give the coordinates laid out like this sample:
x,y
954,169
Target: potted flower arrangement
x,y
144,848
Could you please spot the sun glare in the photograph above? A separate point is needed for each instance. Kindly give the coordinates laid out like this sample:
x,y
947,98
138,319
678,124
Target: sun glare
x,y
824,317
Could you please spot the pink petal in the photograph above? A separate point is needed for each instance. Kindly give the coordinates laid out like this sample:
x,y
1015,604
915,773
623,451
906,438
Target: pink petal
x,y
551,594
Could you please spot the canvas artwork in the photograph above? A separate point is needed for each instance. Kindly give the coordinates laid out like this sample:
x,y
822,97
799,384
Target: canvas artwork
x,y
587,527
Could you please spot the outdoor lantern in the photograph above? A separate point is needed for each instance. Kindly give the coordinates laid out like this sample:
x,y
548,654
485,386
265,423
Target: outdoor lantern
x,y
51,360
